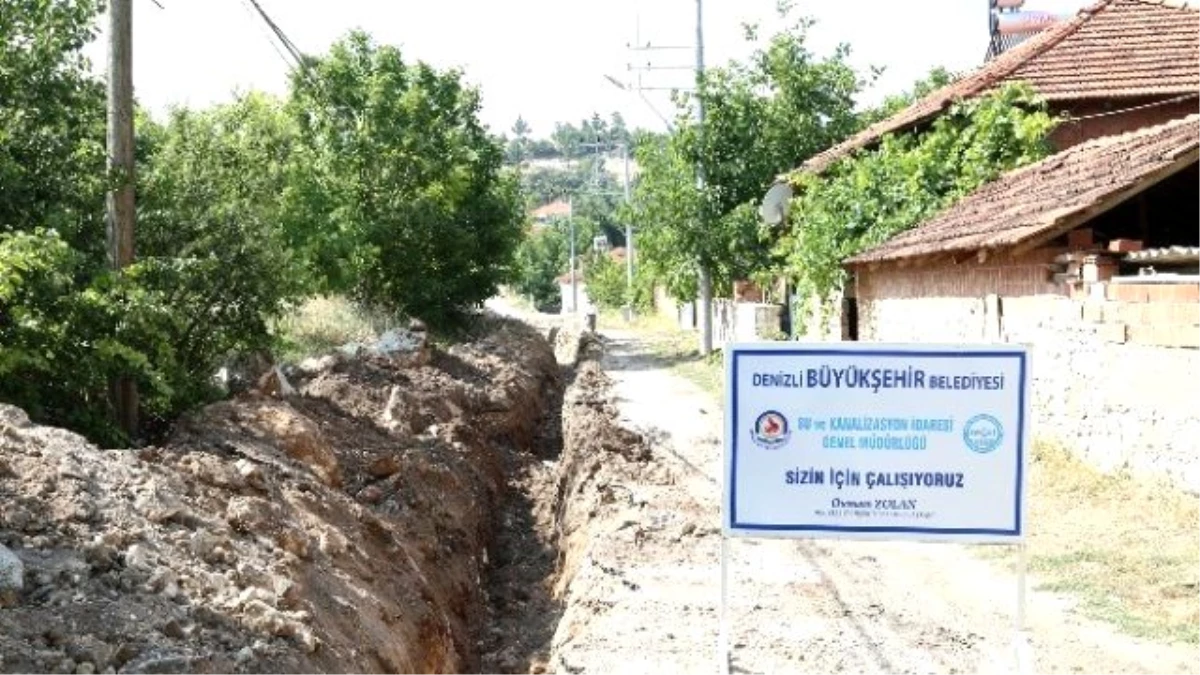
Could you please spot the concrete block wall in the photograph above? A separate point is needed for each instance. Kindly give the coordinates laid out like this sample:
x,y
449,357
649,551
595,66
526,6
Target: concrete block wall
x,y
1115,380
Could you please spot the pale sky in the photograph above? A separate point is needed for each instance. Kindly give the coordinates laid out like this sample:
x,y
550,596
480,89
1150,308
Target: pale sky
x,y
542,59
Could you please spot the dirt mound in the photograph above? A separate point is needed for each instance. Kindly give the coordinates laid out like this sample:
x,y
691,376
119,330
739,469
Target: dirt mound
x,y
341,529
599,455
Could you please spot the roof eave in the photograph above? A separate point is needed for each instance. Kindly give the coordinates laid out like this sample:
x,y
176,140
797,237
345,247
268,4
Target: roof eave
x,y
1056,225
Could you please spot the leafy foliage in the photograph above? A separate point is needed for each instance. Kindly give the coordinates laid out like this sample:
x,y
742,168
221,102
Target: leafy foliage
x,y
412,183
57,346
865,199
545,254
608,284
541,257
45,364
374,176
762,117
52,126
577,141
567,141
212,271
209,191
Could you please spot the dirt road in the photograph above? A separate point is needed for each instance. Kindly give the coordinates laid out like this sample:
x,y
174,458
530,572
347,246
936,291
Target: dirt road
x,y
646,596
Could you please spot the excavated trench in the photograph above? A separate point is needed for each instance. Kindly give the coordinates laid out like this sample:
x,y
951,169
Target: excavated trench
x,y
567,482
414,512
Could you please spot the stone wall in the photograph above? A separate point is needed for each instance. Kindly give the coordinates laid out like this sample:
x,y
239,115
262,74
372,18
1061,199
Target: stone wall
x,y
1115,374
745,321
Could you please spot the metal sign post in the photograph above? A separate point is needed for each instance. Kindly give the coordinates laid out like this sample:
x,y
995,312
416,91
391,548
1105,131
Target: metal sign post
x,y
874,441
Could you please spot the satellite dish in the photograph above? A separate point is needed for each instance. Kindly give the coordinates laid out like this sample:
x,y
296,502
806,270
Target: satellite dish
x,y
775,204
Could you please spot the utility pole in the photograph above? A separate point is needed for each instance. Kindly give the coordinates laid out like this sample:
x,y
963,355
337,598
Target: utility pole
x,y
706,332
120,200
705,277
628,239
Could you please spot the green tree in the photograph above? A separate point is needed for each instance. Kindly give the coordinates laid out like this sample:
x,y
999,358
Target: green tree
x,y
763,116
52,124
608,284
210,271
210,207
545,254
541,258
518,148
591,135
412,178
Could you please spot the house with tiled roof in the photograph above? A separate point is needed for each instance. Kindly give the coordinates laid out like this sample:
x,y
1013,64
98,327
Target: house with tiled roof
x,y
1090,256
1116,66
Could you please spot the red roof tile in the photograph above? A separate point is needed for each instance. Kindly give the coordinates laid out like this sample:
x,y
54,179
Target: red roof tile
x,y
1126,48
1043,199
556,208
1113,49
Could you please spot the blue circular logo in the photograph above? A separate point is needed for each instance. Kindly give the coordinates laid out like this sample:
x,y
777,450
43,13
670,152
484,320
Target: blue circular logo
x,y
770,430
983,433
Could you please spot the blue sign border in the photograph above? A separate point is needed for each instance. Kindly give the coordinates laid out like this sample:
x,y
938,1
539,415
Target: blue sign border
x,y
1016,532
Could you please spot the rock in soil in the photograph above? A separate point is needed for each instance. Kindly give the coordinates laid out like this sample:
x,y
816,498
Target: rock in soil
x,y
275,534
12,576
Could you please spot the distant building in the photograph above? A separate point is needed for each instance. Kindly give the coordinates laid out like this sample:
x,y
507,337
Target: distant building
x,y
547,212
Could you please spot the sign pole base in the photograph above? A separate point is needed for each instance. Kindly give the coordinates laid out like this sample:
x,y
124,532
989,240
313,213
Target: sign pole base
x,y
1022,648
723,658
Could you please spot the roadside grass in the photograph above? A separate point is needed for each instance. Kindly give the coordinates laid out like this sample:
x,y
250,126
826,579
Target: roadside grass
x,y
1125,547
321,324
678,349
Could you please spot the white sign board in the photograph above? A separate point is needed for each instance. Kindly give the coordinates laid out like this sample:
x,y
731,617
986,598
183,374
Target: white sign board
x,y
859,440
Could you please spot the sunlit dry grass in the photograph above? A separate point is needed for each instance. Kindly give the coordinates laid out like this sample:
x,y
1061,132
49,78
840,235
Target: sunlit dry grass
x,y
321,324
1126,545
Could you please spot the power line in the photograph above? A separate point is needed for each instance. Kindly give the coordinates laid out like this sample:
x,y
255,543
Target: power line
x,y
302,64
1135,108
290,46
250,10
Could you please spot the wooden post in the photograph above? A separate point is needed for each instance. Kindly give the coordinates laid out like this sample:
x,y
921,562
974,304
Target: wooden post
x,y
120,201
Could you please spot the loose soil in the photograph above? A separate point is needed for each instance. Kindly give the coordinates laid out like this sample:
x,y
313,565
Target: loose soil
x,y
342,529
